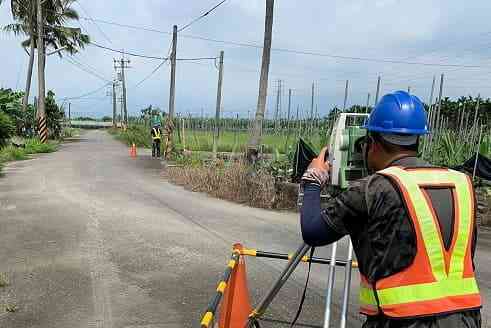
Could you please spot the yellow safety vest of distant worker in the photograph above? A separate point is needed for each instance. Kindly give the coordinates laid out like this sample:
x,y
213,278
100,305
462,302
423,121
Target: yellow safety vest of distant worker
x,y
156,134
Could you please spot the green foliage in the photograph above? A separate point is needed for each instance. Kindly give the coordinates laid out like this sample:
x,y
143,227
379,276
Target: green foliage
x,y
135,134
11,153
54,115
35,146
32,146
70,132
7,128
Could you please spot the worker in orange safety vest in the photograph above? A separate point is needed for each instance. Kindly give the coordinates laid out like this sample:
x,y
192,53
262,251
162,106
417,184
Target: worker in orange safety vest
x,y
412,225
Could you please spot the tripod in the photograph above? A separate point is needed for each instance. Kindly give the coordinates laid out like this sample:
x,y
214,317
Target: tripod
x,y
290,268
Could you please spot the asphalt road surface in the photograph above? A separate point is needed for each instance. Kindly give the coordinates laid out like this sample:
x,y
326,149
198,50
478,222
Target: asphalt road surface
x,y
92,238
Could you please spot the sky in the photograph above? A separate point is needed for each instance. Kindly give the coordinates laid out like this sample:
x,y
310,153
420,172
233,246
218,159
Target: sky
x,y
429,34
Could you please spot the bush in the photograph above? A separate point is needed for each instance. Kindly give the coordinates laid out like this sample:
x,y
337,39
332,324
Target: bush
x,y
70,132
35,146
12,153
7,128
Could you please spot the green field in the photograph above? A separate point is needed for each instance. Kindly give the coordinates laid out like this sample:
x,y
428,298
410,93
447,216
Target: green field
x,y
229,141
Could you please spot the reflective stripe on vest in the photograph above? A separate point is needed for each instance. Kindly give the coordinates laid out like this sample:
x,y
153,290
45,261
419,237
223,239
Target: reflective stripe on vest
x,y
437,281
156,134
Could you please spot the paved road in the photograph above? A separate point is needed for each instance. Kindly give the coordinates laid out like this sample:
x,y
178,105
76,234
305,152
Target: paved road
x,y
92,238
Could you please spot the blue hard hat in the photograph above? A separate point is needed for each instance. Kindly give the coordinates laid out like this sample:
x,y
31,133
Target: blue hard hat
x,y
400,113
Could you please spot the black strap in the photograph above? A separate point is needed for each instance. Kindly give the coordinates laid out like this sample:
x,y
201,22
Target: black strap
x,y
304,290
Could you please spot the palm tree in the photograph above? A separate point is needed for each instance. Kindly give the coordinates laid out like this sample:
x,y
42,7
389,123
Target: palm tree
x,y
57,36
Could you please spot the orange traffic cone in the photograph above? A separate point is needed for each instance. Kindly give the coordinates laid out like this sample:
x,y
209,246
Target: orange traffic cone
x,y
133,151
236,305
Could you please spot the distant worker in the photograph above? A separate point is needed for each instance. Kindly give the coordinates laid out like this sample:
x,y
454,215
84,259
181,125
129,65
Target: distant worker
x,y
156,137
412,225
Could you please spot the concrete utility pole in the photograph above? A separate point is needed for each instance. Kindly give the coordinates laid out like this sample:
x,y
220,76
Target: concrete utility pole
x,y
289,104
278,102
312,103
169,128
123,64
70,115
114,103
368,103
41,109
377,93
255,140
345,95
219,104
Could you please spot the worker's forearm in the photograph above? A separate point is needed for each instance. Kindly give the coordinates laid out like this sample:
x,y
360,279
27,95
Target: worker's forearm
x,y
315,230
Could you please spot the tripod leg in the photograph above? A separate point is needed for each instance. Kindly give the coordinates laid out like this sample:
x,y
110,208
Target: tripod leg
x,y
330,285
347,285
291,266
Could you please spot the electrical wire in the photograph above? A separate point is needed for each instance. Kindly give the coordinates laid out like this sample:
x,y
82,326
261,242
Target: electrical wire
x,y
88,93
294,51
79,65
155,69
93,22
201,16
149,57
126,52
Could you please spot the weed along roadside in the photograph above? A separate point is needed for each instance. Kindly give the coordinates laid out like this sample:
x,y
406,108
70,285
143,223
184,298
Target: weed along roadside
x,y
27,148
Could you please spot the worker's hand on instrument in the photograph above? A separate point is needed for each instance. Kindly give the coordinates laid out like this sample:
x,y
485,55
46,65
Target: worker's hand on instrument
x,y
318,170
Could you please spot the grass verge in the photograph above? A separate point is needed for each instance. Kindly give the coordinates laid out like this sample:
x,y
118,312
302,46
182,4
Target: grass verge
x,y
32,146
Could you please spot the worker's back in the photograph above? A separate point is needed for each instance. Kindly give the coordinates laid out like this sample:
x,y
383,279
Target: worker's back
x,y
404,275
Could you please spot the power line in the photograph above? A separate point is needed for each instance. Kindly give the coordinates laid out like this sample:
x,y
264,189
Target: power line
x,y
201,16
149,75
155,69
126,52
79,65
88,93
96,25
286,50
149,57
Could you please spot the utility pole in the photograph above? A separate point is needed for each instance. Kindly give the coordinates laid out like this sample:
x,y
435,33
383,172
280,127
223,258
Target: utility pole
x,y
289,104
345,95
41,109
219,104
312,103
122,64
255,140
114,104
378,91
278,98
172,94
368,103
69,114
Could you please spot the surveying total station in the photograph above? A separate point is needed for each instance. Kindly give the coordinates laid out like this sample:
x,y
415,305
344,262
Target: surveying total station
x,y
345,153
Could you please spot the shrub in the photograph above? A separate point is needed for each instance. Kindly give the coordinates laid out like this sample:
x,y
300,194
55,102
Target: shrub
x,y
7,128
35,146
12,153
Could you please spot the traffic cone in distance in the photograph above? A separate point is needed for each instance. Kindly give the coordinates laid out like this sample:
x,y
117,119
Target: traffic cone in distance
x,y
236,306
134,150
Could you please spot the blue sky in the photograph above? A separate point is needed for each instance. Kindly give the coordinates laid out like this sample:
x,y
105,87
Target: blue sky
x,y
432,32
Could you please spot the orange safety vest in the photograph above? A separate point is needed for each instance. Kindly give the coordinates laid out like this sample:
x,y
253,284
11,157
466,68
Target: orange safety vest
x,y
438,281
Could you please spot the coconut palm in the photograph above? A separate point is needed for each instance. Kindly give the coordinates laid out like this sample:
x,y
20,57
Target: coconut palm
x,y
57,36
